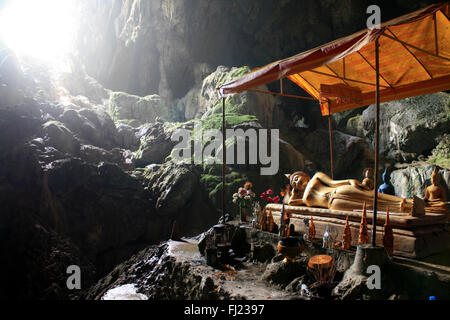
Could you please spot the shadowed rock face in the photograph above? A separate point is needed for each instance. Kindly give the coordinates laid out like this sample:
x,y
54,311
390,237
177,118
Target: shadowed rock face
x,y
61,198
59,210
409,126
351,154
415,178
148,47
98,215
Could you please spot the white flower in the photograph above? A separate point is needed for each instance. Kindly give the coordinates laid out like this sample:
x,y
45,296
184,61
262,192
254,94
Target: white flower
x,y
247,197
234,200
235,195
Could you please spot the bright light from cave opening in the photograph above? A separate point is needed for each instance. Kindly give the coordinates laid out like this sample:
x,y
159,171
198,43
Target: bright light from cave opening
x,y
43,29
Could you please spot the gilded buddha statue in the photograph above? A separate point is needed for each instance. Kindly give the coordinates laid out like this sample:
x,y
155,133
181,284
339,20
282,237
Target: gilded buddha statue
x,y
435,197
368,178
348,195
299,180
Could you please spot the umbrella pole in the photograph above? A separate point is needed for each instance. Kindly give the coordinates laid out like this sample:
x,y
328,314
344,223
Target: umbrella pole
x,y
377,138
330,129
224,151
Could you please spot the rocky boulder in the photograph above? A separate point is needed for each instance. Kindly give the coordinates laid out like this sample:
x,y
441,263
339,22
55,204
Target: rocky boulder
x,y
354,126
18,124
103,210
193,104
351,154
33,255
177,194
174,186
60,137
259,105
152,265
11,77
94,126
156,144
144,109
409,126
290,158
282,273
441,154
78,83
127,137
415,178
123,158
36,260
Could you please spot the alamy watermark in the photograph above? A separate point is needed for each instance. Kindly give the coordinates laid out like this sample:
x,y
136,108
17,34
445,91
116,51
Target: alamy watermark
x,y
241,146
374,281
374,20
74,280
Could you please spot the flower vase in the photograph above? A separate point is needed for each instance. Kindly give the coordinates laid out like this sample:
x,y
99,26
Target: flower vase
x,y
243,214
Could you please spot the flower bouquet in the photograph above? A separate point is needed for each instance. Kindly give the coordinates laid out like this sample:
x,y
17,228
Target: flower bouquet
x,y
244,199
266,198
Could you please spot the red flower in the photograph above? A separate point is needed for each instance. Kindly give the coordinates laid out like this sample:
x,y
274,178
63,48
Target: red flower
x,y
269,192
264,196
276,199
242,191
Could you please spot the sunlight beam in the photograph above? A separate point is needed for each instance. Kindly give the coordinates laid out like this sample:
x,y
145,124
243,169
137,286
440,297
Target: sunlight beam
x,y
43,29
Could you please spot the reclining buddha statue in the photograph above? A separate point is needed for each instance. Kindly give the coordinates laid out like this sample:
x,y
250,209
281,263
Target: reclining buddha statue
x,y
347,195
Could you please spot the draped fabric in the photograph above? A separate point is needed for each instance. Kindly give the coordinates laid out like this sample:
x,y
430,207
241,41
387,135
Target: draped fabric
x,y
414,59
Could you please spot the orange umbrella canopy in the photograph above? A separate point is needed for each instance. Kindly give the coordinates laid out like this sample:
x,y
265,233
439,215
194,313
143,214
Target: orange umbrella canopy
x,y
414,52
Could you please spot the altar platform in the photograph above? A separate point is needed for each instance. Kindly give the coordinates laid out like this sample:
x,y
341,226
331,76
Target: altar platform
x,y
414,237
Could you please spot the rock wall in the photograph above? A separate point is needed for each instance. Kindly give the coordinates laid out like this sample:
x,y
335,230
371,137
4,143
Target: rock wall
x,y
415,178
154,47
54,204
410,127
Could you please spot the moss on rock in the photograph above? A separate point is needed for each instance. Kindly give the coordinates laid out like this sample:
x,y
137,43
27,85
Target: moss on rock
x,y
124,106
441,154
216,79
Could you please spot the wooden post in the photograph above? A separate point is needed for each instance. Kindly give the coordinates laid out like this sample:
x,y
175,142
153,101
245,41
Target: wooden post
x,y
330,129
224,152
436,43
377,138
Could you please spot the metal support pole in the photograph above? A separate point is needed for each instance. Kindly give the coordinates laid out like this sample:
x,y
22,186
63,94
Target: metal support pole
x,y
377,138
330,129
224,152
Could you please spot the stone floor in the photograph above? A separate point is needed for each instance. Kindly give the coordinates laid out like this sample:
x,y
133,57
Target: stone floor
x,y
178,270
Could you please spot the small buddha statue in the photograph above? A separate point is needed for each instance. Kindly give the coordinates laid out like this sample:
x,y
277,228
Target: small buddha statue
x,y
299,180
435,197
386,187
368,178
